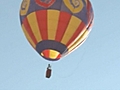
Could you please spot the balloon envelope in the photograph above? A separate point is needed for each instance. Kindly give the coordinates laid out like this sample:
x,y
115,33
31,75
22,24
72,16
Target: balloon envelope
x,y
54,28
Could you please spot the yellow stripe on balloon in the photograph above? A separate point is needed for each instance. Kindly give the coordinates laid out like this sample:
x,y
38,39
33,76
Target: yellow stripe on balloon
x,y
77,38
53,54
53,18
80,39
74,6
28,37
72,27
34,26
75,43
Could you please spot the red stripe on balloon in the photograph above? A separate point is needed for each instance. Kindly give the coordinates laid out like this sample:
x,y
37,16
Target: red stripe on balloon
x,y
42,23
29,30
58,57
44,3
88,11
64,19
46,53
76,34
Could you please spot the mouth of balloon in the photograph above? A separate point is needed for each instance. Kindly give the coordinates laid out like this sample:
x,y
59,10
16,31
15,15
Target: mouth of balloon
x,y
51,50
50,54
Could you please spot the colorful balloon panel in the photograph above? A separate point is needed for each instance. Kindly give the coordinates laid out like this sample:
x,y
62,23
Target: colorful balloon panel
x,y
55,28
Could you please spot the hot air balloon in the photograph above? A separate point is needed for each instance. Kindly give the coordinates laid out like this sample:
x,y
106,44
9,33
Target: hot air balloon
x,y
55,28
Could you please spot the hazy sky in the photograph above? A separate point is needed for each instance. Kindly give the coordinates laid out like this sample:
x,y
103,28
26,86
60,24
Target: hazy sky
x,y
93,66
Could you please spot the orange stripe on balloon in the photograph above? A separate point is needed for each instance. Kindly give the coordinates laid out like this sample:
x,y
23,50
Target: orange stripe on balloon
x,y
76,34
42,23
64,19
29,30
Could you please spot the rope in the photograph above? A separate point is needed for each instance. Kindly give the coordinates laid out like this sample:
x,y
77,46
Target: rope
x,y
73,71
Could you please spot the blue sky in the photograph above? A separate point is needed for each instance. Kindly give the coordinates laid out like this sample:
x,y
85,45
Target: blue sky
x,y
93,66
